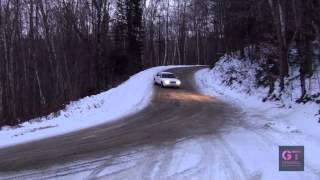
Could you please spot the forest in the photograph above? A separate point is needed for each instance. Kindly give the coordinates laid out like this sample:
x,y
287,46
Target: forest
x,y
56,51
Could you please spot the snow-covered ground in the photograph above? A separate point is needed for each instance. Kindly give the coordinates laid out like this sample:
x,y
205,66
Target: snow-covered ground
x,y
129,97
244,93
255,138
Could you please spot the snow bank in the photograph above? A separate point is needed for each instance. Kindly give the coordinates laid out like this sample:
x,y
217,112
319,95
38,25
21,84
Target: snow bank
x,y
129,97
254,138
234,80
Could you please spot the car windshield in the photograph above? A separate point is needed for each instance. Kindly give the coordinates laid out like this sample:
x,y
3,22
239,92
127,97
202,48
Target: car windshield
x,y
168,76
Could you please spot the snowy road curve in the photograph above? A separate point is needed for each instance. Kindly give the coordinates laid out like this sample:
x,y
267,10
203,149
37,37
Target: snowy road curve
x,y
182,134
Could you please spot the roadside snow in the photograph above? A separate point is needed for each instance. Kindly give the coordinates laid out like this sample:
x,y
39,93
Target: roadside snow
x,y
129,97
255,137
285,115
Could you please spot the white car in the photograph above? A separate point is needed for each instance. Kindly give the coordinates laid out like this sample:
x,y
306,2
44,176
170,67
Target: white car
x,y
167,79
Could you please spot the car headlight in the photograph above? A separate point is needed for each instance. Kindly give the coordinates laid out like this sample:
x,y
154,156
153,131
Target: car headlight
x,y
167,82
178,83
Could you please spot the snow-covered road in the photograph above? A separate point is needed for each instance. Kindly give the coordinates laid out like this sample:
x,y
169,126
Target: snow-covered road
x,y
182,134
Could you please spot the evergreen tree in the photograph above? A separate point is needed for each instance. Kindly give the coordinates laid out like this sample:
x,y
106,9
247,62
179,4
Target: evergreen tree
x,y
135,34
120,27
128,36
120,30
